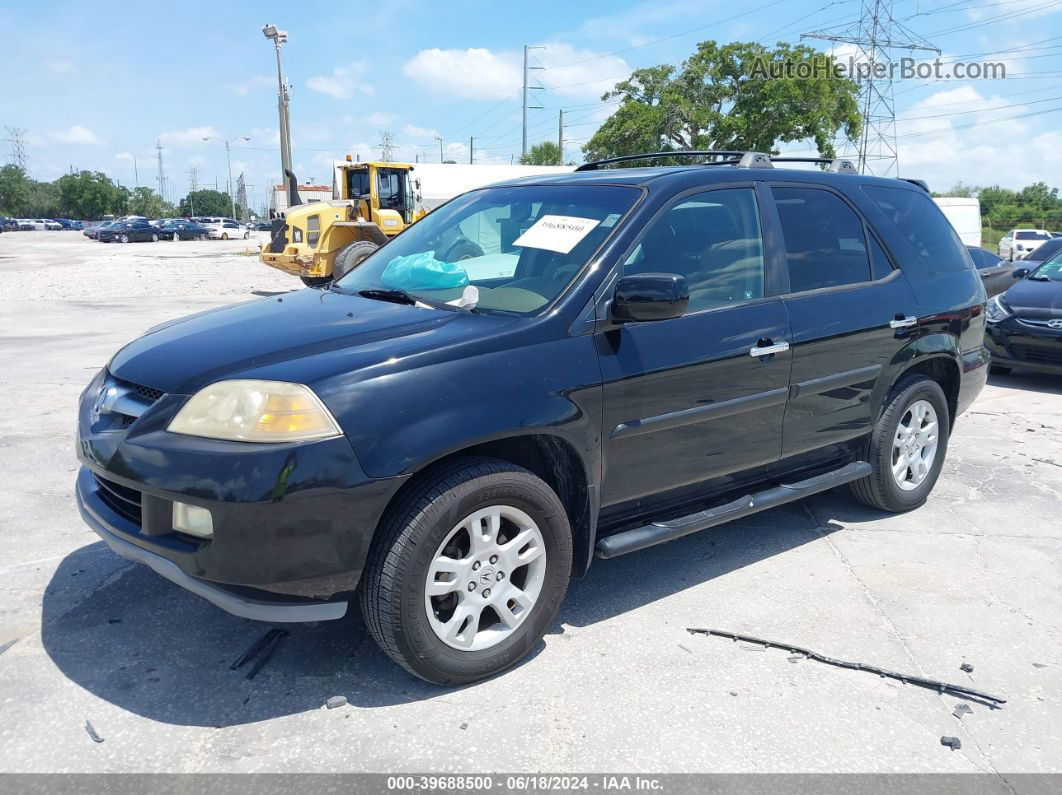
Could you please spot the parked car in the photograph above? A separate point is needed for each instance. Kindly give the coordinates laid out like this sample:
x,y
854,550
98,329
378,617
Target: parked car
x,y
639,354
93,231
1041,253
226,230
1025,322
263,227
183,230
1019,242
128,232
8,225
996,273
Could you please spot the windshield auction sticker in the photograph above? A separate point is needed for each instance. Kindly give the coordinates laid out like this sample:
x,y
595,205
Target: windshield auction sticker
x,y
560,233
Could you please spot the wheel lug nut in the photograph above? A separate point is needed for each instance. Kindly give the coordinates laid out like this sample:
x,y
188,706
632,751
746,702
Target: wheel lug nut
x,y
501,575
471,586
486,592
475,566
493,558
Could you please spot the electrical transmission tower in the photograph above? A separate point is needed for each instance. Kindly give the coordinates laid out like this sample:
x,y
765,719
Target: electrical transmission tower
x,y
386,145
193,186
162,172
241,197
16,136
876,34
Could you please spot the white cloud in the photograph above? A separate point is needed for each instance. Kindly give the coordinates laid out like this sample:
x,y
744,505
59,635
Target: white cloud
x,y
479,73
413,131
59,66
76,135
376,119
343,83
191,136
125,157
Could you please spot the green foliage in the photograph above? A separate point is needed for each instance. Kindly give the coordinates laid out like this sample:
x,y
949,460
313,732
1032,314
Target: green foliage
x,y
89,195
14,191
546,153
737,96
205,202
1037,206
144,201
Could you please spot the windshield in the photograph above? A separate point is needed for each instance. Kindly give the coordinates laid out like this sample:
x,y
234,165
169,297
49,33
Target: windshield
x,y
1052,269
518,247
357,182
1031,236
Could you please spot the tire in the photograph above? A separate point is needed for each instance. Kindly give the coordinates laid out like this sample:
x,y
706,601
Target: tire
x,y
123,238
224,235
202,237
394,599
463,249
246,235
881,489
315,281
351,256
155,237
176,237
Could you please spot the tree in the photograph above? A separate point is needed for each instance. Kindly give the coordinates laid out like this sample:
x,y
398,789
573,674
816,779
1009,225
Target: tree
x,y
205,202
144,201
546,153
738,96
89,194
14,191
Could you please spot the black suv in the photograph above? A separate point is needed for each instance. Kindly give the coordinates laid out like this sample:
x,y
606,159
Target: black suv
x,y
637,354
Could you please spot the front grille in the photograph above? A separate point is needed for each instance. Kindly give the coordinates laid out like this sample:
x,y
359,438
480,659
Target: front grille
x,y
1034,353
121,499
146,392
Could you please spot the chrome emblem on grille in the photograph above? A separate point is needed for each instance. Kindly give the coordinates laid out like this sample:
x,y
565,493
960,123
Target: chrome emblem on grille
x,y
104,401
1056,323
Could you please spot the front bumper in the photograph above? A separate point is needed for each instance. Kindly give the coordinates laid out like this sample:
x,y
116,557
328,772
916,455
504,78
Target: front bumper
x,y
1021,345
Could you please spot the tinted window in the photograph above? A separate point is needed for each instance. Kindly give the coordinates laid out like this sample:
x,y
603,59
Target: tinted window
x,y
880,264
712,239
1031,236
923,225
824,241
1048,249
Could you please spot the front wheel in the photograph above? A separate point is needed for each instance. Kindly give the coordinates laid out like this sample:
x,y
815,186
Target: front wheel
x,y
202,237
224,235
468,571
123,238
907,447
351,256
154,237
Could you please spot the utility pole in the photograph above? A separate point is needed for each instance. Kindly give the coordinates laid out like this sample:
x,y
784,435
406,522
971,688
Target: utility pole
x,y
527,49
876,34
437,138
560,136
471,143
193,186
136,174
16,136
279,37
162,172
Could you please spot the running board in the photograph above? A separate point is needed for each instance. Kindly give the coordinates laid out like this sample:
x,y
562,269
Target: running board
x,y
658,532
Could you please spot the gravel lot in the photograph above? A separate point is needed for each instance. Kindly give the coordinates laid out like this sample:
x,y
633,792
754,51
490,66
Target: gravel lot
x,y
973,577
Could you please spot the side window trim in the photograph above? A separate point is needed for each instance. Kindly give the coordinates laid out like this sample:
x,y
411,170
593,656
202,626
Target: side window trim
x,y
868,230
679,198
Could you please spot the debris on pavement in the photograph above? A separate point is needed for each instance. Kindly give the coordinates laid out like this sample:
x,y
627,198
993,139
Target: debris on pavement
x,y
5,646
263,649
966,667
336,701
962,709
464,726
92,733
932,684
954,743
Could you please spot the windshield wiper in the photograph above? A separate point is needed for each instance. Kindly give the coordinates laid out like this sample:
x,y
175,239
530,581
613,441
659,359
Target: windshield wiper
x,y
394,296
1039,278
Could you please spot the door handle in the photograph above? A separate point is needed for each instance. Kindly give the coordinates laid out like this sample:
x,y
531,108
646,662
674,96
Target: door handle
x,y
903,322
769,350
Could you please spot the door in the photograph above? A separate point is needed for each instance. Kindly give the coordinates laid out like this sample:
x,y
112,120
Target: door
x,y
701,395
996,274
850,312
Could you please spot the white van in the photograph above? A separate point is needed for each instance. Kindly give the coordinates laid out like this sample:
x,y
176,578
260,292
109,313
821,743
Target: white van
x,y
965,217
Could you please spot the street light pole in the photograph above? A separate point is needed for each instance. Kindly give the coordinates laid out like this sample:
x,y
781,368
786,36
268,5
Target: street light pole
x,y
279,37
228,163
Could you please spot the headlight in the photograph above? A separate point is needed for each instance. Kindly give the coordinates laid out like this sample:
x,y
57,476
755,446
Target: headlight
x,y
255,411
997,311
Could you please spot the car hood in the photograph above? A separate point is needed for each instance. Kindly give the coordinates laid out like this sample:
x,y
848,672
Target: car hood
x,y
1035,299
301,336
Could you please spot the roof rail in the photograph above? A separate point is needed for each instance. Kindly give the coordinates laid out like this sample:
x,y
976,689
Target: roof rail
x,y
727,157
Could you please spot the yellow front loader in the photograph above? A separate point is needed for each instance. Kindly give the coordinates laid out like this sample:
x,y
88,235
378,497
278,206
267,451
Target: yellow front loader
x,y
321,241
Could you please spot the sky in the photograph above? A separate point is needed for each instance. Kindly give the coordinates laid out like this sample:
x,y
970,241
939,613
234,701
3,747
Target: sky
x,y
99,86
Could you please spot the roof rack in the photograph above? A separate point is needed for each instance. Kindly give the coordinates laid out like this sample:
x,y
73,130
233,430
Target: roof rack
x,y
727,157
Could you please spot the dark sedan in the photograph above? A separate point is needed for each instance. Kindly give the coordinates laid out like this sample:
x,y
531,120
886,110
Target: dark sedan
x,y
129,232
183,230
996,273
1042,253
1025,323
93,232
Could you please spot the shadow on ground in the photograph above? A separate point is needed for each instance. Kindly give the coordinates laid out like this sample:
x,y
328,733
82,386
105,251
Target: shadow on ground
x,y
1024,379
145,645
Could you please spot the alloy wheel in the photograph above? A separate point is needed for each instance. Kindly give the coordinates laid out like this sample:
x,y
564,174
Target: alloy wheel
x,y
485,578
914,447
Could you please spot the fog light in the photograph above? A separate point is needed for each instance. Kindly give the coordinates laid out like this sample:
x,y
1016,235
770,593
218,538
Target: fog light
x,y
192,520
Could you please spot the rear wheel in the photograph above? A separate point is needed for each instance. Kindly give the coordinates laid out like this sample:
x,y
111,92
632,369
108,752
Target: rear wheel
x,y
123,238
351,256
202,237
154,237
468,571
907,447
224,235
176,237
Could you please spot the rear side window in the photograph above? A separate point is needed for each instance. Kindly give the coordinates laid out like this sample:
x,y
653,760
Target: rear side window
x,y
923,225
825,244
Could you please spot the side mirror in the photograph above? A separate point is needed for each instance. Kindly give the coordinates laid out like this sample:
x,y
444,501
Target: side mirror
x,y
650,296
1020,273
